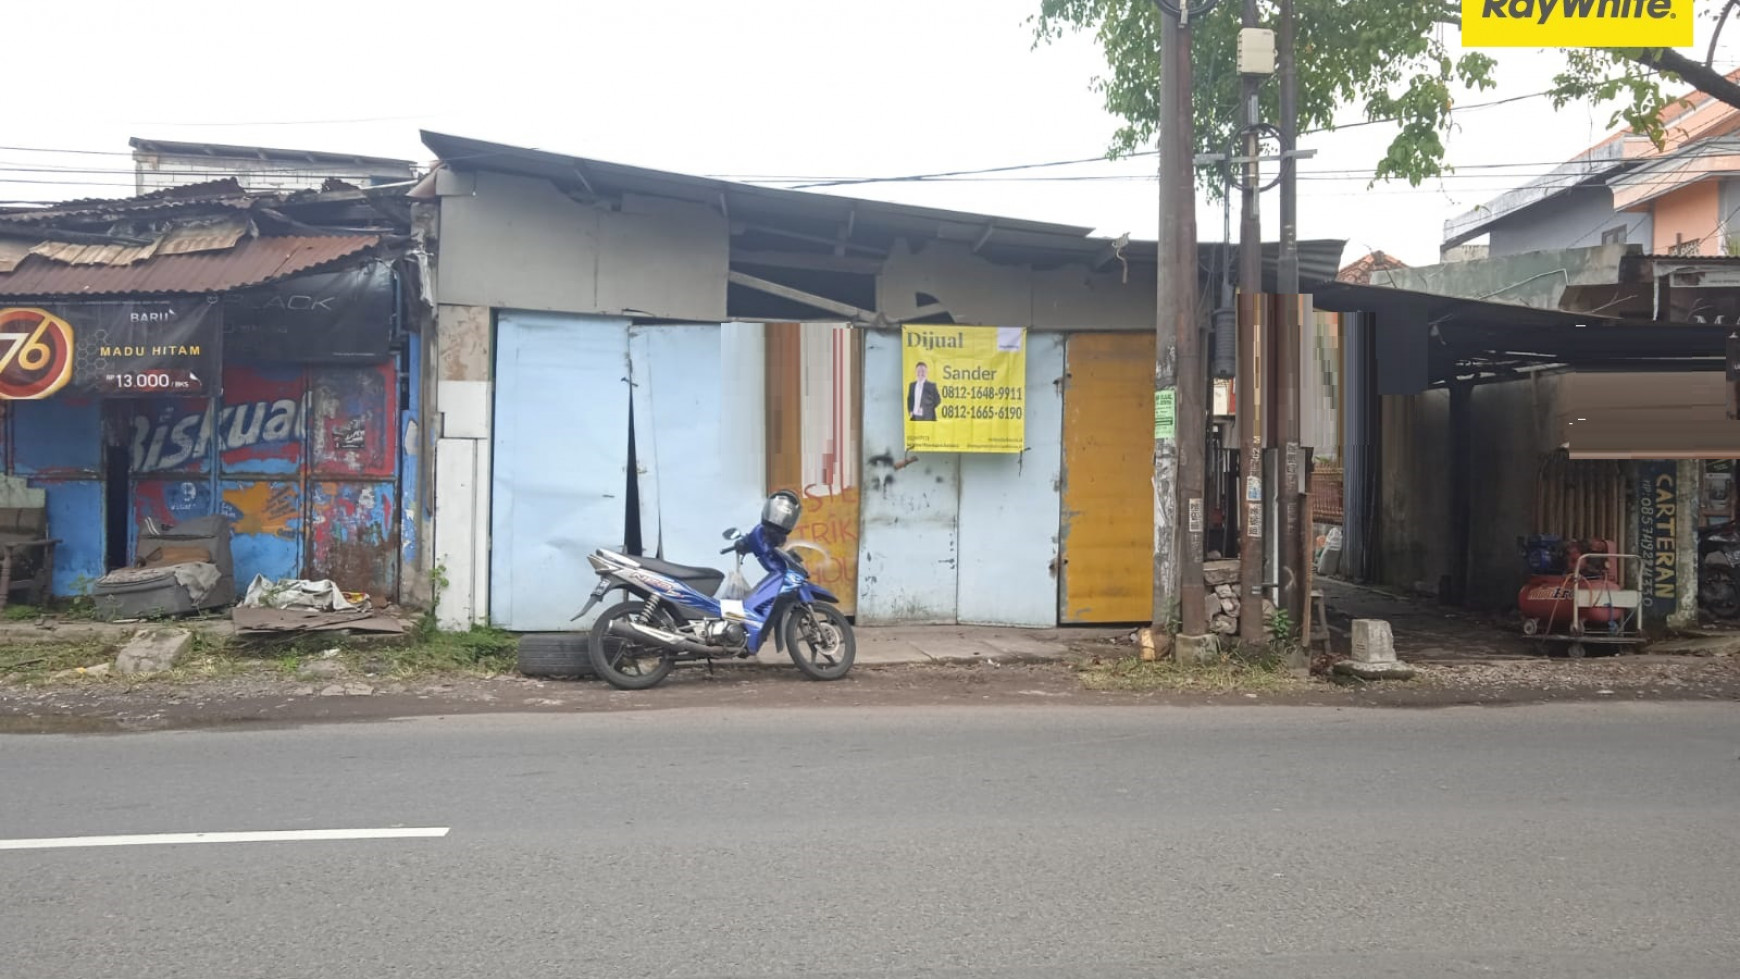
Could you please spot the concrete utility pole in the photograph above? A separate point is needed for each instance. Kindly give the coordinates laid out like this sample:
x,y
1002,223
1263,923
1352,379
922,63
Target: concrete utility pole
x,y
1287,346
1249,382
1180,410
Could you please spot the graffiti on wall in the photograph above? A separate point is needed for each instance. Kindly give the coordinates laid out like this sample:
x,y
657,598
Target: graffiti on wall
x,y
262,507
352,536
170,501
176,436
354,421
266,518
830,522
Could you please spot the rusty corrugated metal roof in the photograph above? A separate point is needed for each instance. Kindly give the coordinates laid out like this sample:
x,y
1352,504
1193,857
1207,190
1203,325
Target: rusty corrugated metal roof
x,y
13,251
253,261
71,253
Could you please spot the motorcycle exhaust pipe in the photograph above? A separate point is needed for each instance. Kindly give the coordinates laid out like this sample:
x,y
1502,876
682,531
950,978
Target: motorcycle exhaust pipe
x,y
660,638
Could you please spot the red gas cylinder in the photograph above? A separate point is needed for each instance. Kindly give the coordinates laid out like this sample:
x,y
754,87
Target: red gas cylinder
x,y
1545,602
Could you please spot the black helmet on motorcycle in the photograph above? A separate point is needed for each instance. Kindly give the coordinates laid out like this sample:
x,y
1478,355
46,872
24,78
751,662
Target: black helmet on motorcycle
x,y
782,510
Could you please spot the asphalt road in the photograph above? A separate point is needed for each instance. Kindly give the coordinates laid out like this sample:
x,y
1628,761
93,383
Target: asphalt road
x,y
1590,841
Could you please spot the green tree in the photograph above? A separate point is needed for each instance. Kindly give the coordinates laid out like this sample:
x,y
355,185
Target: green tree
x,y
1396,59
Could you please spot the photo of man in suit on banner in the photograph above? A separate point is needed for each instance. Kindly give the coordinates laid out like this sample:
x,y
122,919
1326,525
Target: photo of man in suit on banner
x,y
922,397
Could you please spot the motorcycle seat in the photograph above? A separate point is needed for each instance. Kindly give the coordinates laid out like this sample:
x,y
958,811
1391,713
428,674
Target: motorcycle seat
x,y
704,580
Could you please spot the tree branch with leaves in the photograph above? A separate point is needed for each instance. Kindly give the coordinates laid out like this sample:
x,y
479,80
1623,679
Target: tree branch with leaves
x,y
1398,62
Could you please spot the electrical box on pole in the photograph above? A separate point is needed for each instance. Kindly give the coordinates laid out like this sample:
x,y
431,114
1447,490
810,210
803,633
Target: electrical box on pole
x,y
1256,52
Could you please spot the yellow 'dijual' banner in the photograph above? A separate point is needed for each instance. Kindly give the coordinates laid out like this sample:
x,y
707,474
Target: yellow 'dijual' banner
x,y
965,388
1577,23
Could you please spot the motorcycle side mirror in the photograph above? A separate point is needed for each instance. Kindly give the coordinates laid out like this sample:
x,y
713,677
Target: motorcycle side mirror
x,y
731,533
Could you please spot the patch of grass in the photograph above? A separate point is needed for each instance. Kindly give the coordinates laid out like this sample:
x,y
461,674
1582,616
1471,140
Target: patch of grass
x,y
1231,672
37,661
22,613
480,651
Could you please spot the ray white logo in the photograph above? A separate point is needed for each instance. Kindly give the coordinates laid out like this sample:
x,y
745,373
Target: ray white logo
x,y
1576,23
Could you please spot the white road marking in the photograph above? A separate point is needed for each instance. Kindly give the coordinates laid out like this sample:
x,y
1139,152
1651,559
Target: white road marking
x,y
294,835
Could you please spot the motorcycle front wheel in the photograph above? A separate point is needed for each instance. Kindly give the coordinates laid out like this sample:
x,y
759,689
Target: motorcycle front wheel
x,y
624,663
820,641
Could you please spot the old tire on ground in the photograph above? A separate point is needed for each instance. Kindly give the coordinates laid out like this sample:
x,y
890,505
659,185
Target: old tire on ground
x,y
557,655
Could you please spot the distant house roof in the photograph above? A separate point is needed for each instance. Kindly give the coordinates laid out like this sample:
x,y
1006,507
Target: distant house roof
x,y
1360,271
226,151
1690,118
823,216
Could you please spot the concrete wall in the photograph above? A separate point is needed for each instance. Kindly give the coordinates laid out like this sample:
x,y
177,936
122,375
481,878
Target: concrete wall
x,y
1575,219
1689,214
1414,505
976,291
1514,428
464,341
512,242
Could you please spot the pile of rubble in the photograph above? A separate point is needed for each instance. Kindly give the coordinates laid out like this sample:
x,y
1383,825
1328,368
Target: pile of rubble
x,y
1222,601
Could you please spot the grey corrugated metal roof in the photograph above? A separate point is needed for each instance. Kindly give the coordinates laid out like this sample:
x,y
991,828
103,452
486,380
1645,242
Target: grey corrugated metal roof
x,y
1010,239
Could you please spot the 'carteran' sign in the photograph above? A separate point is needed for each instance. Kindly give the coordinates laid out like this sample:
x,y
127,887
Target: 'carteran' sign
x,y
1657,536
109,349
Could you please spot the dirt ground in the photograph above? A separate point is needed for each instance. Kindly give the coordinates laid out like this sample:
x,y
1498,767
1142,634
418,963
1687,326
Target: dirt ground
x,y
115,706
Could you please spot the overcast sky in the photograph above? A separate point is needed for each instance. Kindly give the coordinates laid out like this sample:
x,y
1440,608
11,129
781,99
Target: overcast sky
x,y
758,88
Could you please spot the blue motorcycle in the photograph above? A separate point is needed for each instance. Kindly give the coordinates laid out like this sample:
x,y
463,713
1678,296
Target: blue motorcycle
x,y
675,617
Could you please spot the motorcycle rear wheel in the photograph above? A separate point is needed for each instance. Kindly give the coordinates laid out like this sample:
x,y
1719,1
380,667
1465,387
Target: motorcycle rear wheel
x,y
820,641
608,651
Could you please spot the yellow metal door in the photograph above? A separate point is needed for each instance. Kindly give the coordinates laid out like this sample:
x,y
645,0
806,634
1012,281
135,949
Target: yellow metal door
x,y
1108,473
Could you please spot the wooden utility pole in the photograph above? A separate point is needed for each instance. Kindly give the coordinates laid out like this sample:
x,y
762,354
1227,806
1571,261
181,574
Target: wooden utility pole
x,y
1167,597
1291,567
1249,383
1180,412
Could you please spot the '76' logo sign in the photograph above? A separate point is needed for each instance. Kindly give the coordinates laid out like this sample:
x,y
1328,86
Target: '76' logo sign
x,y
36,354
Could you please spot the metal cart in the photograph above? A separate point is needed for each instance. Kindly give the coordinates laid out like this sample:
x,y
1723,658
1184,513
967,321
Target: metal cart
x,y
1626,629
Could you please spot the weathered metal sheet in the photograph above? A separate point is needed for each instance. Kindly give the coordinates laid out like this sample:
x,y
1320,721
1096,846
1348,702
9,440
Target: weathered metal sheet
x,y
172,435
75,518
253,261
57,437
260,426
560,463
353,421
691,490
910,506
353,537
266,527
1010,508
1108,495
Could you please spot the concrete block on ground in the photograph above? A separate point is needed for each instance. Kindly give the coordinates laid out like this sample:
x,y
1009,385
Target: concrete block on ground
x,y
1373,642
153,651
1190,650
1393,670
